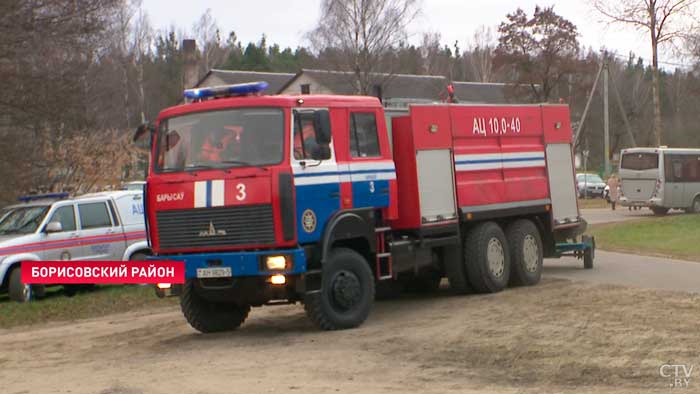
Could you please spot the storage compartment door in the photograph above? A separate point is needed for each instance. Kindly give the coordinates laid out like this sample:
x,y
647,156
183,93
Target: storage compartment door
x,y
562,187
436,185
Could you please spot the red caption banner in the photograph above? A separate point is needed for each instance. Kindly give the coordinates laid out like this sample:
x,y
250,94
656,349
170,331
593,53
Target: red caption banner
x,y
103,272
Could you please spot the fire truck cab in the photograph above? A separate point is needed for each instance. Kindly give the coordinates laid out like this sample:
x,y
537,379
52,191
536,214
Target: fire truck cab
x,y
279,199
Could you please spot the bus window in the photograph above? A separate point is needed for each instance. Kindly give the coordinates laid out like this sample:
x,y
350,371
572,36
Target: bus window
x,y
640,161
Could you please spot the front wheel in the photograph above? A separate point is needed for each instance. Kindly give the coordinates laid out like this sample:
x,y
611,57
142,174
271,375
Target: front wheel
x,y
17,290
205,316
346,294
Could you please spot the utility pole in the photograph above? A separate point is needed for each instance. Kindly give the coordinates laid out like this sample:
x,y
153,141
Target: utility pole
x,y
606,117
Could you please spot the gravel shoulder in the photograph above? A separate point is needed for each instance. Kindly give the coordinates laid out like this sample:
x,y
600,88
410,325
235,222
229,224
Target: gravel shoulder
x,y
560,336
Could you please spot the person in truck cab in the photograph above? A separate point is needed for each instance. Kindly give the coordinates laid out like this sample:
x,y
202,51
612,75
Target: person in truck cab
x,y
219,145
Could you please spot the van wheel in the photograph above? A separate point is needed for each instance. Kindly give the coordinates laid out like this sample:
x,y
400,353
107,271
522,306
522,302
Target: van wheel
x,y
487,258
525,252
205,316
695,206
17,290
659,211
346,294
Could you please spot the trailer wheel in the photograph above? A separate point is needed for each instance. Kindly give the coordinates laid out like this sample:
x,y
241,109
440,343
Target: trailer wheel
x,y
346,294
487,258
205,316
525,253
455,269
589,253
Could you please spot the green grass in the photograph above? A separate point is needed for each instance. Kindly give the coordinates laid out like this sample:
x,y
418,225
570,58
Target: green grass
x,y
101,301
675,236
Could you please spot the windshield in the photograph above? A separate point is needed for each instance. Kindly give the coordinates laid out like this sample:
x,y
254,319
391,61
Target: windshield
x,y
590,178
639,161
23,220
220,139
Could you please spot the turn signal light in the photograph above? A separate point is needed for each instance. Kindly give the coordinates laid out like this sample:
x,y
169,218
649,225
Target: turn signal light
x,y
278,279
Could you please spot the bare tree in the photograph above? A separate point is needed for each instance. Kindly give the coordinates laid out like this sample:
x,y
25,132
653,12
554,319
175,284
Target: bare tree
x,y
480,53
360,33
664,20
208,37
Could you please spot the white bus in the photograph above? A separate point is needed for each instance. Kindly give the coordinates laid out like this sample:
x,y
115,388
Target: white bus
x,y
660,178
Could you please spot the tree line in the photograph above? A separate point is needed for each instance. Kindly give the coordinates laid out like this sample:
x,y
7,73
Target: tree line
x,y
80,75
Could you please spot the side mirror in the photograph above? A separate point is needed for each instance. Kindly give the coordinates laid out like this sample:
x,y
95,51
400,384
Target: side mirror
x,y
322,125
143,130
54,227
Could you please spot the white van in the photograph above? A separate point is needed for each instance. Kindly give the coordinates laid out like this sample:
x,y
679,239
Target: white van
x,y
660,178
98,226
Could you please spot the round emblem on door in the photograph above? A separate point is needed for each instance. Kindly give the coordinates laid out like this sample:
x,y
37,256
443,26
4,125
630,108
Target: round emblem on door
x,y
65,255
308,221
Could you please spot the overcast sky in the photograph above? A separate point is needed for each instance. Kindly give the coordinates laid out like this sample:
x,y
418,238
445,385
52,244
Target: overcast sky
x,y
285,21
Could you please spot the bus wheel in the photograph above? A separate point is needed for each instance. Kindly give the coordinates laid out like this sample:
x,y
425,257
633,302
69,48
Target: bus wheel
x,y
659,211
346,294
525,253
487,258
205,316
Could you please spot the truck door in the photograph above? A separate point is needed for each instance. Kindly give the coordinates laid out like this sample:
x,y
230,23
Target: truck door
x,y
67,240
102,239
317,183
369,173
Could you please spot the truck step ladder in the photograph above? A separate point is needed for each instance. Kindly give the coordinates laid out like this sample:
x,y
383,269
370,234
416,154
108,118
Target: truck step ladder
x,y
384,270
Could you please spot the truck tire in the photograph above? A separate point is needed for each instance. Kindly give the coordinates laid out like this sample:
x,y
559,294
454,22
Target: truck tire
x,y
346,294
487,258
207,317
455,269
17,290
525,253
659,211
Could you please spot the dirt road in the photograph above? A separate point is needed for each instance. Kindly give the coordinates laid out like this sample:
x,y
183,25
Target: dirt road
x,y
556,337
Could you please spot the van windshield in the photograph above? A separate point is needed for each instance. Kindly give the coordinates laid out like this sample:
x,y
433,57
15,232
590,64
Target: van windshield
x,y
23,220
221,139
640,161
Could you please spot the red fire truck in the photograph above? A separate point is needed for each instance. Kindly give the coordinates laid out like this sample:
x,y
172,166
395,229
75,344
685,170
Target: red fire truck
x,y
315,199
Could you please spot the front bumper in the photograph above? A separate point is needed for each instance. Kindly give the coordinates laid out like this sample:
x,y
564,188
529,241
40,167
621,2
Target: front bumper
x,y
242,263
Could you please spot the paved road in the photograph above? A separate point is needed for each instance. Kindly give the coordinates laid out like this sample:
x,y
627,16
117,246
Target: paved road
x,y
607,215
630,270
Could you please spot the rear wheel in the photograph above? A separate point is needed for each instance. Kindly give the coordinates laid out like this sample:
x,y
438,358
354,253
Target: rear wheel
x,y
659,211
346,294
17,290
525,253
487,258
205,316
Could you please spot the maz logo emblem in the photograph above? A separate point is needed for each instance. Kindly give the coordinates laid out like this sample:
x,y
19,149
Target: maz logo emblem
x,y
212,231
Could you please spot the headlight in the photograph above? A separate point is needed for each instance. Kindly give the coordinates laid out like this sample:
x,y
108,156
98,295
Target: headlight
x,y
276,263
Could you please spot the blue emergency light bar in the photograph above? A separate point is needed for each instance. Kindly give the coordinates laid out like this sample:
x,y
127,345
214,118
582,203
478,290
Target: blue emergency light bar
x,y
42,196
241,89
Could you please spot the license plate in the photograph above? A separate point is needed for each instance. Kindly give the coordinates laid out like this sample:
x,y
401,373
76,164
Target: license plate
x,y
214,272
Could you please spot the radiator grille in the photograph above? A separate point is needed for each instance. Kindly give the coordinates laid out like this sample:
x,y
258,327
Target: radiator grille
x,y
211,227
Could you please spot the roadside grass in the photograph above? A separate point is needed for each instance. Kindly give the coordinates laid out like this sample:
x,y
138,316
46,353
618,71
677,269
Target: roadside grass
x,y
100,301
589,203
676,236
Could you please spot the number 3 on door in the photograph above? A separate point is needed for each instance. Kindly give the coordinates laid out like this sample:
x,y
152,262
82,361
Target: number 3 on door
x,y
241,195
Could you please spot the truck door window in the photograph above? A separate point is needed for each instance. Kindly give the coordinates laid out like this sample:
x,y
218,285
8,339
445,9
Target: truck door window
x,y
94,215
305,145
363,135
65,216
